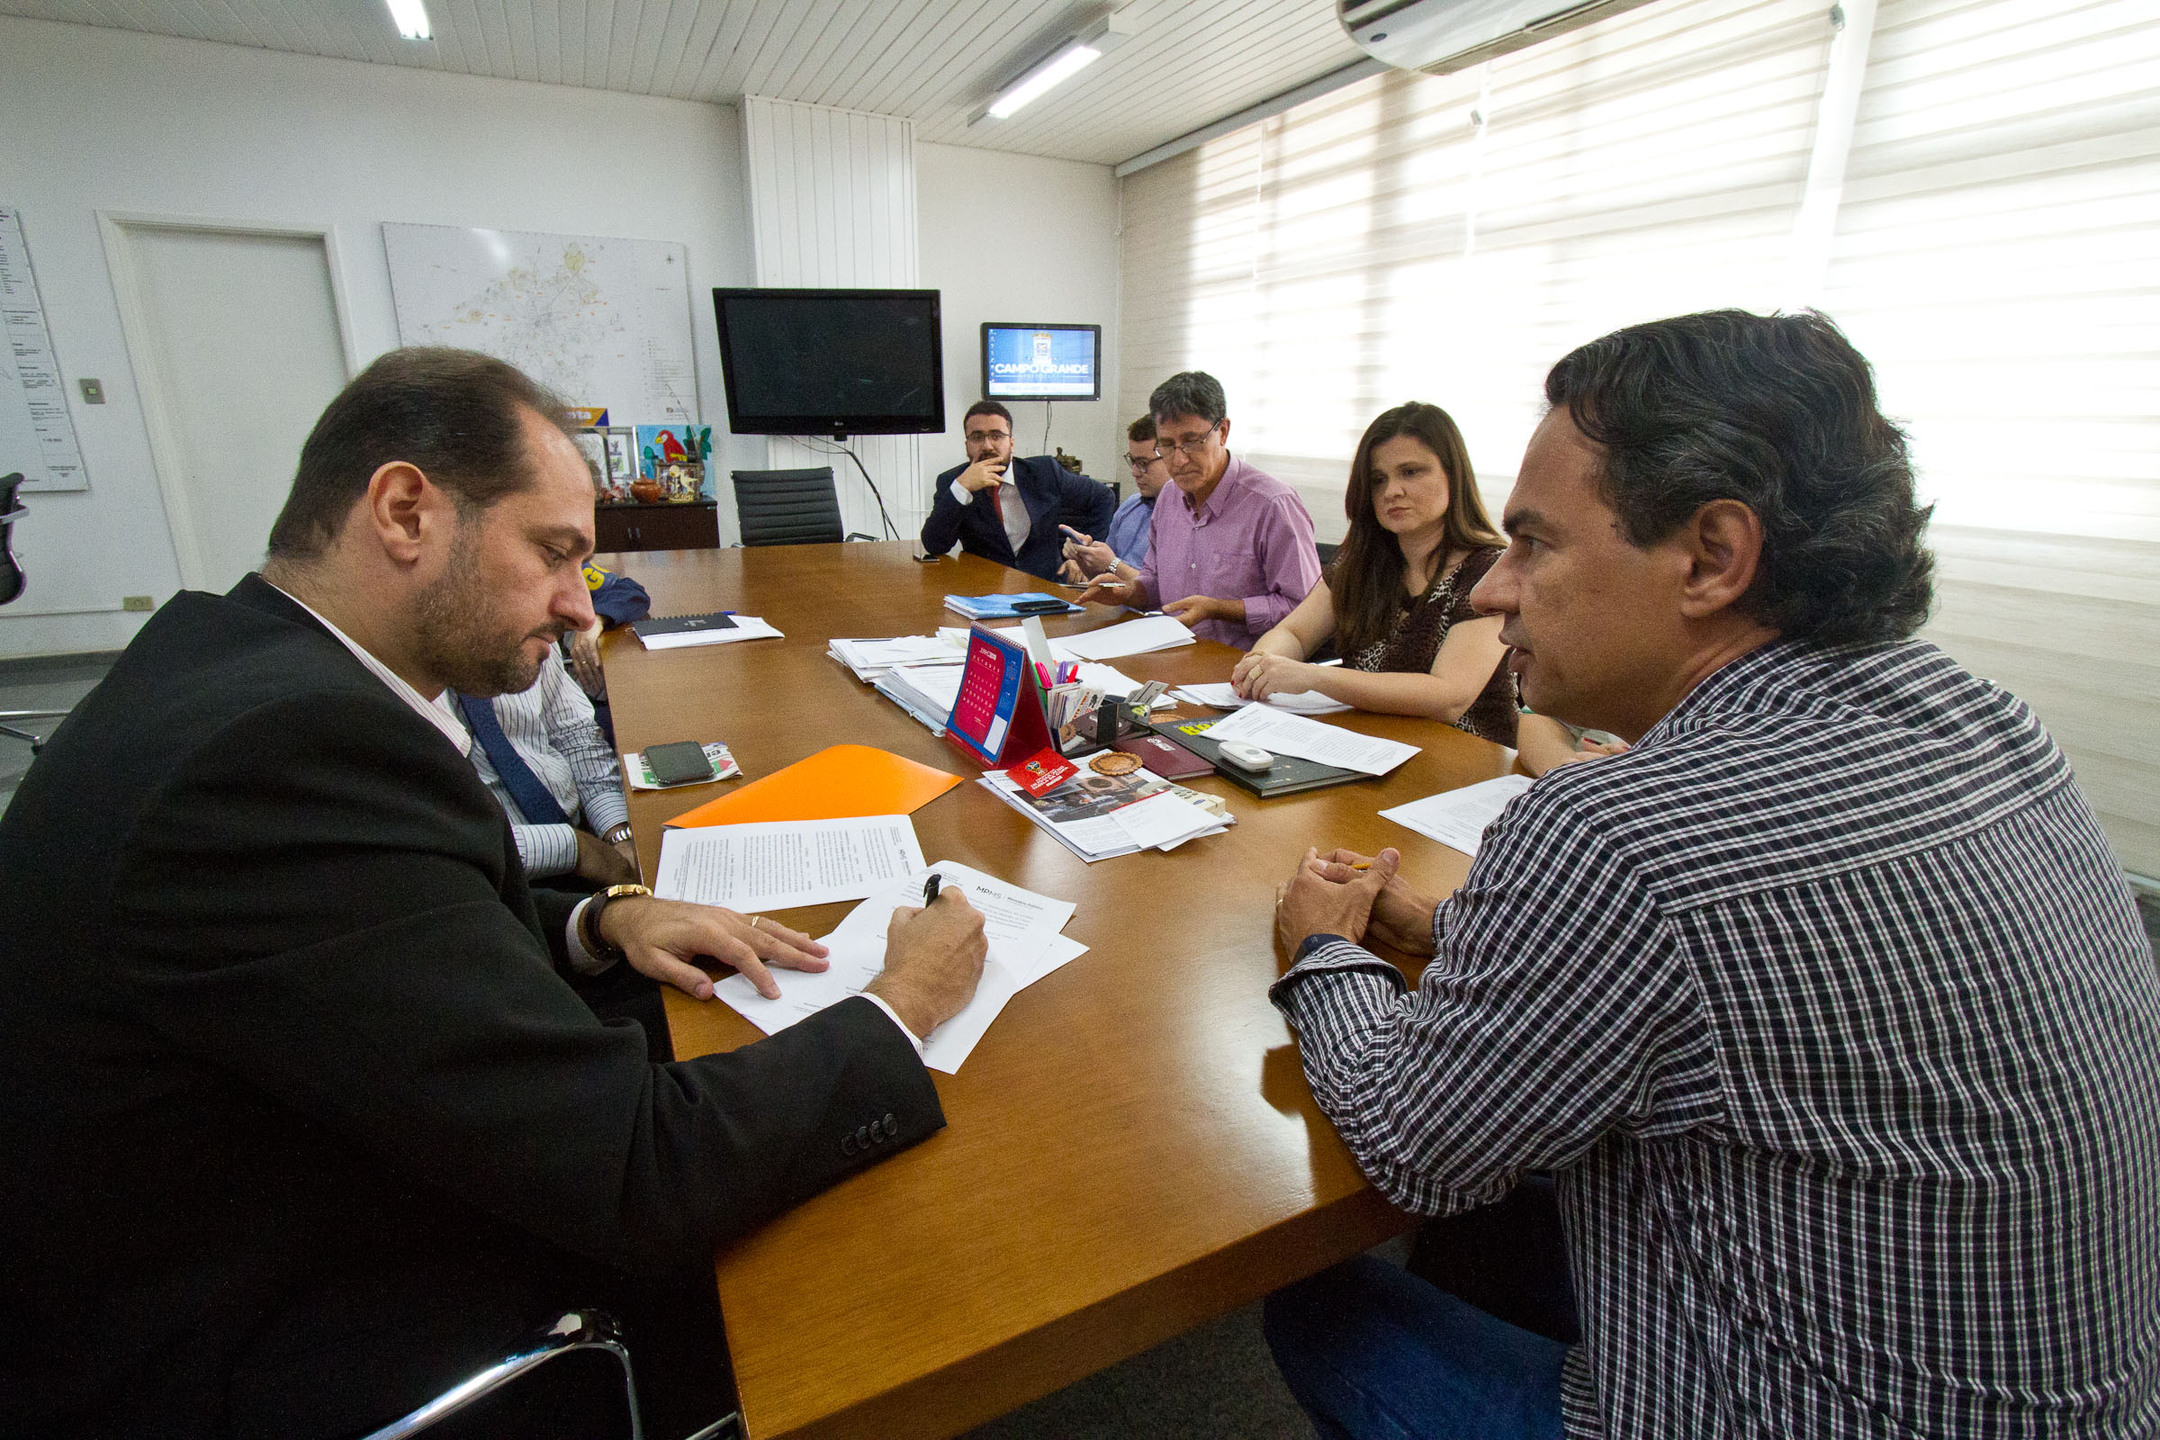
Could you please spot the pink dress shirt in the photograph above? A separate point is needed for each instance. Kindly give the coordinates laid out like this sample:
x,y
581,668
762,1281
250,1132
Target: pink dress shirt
x,y
1252,541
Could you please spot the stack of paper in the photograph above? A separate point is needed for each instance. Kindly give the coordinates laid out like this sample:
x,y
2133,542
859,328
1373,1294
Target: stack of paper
x,y
1134,637
872,658
926,692
1458,818
1099,816
1285,734
1222,697
1023,930
746,627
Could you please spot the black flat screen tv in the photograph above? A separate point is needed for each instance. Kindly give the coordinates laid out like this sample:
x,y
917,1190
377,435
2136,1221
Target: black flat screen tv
x,y
832,362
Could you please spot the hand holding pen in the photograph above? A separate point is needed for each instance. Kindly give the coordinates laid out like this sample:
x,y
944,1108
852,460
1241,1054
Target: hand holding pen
x,y
933,958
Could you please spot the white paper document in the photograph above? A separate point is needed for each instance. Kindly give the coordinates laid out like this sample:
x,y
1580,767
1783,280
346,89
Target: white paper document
x,y
785,863
871,658
1022,929
746,627
1287,734
1458,818
934,687
1222,696
1133,637
1163,820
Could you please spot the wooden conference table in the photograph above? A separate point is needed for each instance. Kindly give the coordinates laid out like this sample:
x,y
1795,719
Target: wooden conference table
x,y
1132,1148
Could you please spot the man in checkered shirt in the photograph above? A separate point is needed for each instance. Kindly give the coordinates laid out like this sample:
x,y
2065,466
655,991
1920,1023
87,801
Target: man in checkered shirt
x,y
1825,1003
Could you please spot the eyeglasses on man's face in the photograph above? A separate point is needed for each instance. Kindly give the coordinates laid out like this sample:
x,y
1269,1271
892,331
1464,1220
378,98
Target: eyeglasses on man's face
x,y
977,437
1140,463
1192,447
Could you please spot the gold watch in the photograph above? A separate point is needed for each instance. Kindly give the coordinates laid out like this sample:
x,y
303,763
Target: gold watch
x,y
589,922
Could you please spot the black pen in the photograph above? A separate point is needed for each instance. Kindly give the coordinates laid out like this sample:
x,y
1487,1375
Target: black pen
x,y
930,889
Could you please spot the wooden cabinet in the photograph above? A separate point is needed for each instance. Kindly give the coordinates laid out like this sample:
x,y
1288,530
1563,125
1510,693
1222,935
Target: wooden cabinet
x,y
694,525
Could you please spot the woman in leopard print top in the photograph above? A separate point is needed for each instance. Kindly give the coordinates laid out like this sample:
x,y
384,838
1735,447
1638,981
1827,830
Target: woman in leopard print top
x,y
1396,600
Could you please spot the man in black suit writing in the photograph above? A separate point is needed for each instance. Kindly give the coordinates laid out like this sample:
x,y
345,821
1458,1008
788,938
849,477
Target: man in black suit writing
x,y
300,1116
1009,510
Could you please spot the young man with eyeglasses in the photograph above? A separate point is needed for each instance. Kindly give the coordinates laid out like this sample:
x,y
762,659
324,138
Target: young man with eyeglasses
x,y
1125,548
1008,509
1234,554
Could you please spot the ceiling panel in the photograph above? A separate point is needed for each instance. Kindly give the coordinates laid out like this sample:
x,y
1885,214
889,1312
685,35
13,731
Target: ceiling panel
x,y
934,61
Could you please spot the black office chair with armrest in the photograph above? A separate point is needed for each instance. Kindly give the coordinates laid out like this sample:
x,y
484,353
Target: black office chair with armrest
x,y
35,741
11,588
788,507
11,510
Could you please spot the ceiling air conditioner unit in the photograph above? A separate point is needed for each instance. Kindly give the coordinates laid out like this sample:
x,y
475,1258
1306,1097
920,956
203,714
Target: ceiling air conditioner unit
x,y
1438,36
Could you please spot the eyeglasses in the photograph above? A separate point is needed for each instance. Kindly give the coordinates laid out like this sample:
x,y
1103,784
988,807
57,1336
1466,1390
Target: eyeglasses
x,y
1192,449
1140,463
976,437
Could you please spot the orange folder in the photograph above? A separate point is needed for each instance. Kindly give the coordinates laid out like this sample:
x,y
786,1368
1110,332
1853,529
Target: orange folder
x,y
835,783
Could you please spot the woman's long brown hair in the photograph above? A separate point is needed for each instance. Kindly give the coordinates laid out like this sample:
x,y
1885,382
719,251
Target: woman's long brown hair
x,y
1366,580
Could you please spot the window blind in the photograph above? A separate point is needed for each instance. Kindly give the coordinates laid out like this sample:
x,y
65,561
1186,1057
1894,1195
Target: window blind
x,y
1997,255
1994,254
1447,238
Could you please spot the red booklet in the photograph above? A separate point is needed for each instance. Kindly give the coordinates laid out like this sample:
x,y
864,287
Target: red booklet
x,y
1162,757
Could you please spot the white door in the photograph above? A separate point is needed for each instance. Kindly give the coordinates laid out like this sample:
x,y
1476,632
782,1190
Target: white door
x,y
237,344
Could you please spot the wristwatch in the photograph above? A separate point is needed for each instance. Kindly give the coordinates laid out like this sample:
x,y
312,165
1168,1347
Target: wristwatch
x,y
589,922
617,835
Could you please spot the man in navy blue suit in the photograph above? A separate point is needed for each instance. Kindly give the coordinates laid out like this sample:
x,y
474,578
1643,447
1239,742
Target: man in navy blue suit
x,y
1009,510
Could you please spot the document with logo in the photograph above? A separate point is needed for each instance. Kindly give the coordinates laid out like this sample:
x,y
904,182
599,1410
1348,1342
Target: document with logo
x,y
1022,928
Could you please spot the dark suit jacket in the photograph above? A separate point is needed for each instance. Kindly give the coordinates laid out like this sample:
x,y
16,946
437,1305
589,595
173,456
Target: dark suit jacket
x,y
280,1020
1053,495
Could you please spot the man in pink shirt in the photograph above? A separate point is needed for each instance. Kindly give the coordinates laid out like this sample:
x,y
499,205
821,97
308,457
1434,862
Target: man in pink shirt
x,y
1233,554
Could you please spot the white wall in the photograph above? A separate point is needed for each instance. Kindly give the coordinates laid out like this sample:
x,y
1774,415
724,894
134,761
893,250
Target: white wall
x,y
97,119
1015,237
104,119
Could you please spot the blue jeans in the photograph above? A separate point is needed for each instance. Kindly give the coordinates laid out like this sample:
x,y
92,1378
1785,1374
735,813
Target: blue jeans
x,y
1373,1353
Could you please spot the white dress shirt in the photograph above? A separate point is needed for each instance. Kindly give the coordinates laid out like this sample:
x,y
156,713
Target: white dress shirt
x,y
1012,510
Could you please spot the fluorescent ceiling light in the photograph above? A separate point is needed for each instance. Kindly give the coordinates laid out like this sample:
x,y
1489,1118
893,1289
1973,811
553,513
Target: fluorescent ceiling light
x,y
1045,77
411,18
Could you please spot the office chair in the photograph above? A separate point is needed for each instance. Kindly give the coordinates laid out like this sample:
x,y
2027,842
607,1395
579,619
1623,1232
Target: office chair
x,y
11,588
575,1330
11,510
37,743
788,507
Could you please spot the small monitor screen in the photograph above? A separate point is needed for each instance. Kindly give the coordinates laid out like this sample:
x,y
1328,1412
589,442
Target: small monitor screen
x,y
1042,362
805,362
